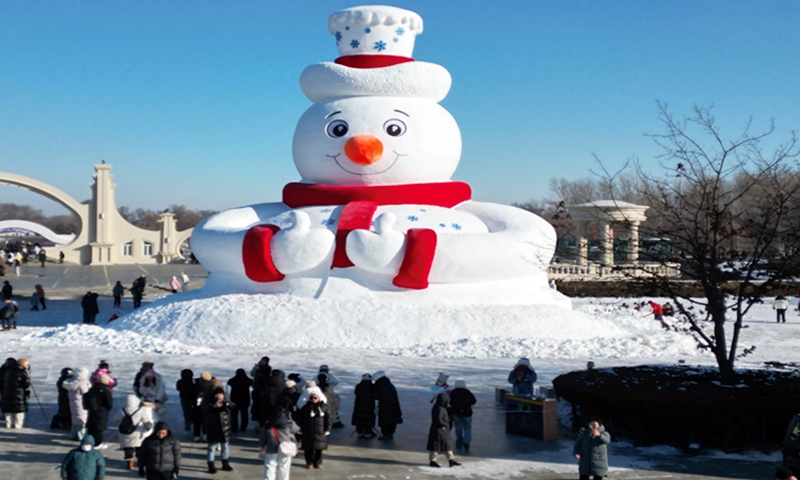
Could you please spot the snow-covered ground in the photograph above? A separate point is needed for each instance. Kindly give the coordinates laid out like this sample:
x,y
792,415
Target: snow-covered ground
x,y
478,345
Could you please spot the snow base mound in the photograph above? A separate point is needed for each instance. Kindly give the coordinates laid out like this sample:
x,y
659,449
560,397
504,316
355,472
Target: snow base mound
x,y
289,321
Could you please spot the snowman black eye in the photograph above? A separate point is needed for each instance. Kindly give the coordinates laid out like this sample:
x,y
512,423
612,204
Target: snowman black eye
x,y
336,129
394,127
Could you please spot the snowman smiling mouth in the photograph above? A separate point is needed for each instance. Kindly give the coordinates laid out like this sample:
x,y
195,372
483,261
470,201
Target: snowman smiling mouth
x,y
378,172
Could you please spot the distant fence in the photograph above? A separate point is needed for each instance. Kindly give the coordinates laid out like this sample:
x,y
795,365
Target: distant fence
x,y
595,271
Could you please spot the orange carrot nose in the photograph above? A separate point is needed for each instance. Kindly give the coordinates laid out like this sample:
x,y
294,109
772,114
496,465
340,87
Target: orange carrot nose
x,y
363,149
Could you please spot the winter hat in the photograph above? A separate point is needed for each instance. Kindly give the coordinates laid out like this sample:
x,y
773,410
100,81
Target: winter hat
x,y
87,439
216,382
161,426
290,383
294,376
378,375
442,379
105,379
323,368
524,361
783,473
23,362
461,384
316,391
206,376
366,376
217,391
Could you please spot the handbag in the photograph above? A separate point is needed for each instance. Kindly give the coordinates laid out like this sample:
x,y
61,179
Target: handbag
x,y
287,449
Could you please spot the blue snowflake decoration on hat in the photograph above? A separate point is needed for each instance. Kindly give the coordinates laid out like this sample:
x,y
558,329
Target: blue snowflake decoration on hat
x,y
338,37
380,45
355,44
400,31
368,30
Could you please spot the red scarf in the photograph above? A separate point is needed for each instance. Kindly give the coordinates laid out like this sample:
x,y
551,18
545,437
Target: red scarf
x,y
442,194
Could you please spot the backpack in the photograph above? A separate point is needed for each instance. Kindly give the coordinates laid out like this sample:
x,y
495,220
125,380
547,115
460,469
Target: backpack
x,y
126,426
91,401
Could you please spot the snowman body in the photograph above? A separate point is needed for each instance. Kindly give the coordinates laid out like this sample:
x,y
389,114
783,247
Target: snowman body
x,y
376,213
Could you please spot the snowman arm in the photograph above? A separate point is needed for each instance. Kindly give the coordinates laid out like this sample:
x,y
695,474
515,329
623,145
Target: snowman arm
x,y
217,240
257,254
518,244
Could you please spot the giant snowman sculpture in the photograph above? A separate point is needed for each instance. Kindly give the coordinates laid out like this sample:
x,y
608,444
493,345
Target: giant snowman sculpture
x,y
376,214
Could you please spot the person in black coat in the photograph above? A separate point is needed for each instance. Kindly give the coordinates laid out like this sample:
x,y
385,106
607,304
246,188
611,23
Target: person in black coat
x,y
7,290
389,413
240,395
10,362
364,407
315,425
137,290
203,393
218,429
461,402
265,395
439,439
188,393
159,457
288,397
98,417
16,384
63,419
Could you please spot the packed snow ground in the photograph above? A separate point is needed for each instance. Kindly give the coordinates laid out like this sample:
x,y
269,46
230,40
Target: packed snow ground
x,y
606,331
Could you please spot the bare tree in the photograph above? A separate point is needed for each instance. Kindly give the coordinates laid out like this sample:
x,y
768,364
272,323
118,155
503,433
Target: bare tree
x,y
712,198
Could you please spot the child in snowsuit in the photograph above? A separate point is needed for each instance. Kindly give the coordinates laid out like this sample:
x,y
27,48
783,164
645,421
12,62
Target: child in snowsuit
x,y
590,449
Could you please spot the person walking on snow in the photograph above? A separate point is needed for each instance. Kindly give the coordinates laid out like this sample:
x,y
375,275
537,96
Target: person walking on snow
x,y
364,408
98,401
591,451
16,390
217,420
389,413
240,396
439,439
118,291
84,462
77,387
8,314
152,390
780,305
461,402
141,415
7,290
188,394
159,457
61,420
174,284
40,293
315,425
279,428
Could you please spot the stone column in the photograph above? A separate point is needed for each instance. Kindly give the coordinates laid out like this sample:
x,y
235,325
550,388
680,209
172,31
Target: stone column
x,y
583,250
607,238
633,243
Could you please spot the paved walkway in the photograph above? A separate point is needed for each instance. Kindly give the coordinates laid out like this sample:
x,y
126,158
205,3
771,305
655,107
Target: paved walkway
x,y
69,280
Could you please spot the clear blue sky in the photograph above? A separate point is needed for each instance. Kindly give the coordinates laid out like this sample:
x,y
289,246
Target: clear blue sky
x,y
195,102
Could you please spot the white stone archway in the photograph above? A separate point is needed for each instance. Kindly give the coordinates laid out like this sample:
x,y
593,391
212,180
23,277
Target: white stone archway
x,y
104,234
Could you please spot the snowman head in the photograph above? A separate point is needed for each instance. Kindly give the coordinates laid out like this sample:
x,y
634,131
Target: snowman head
x,y
376,118
376,141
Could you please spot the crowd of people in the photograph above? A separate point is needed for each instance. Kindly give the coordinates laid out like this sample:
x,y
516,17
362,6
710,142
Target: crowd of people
x,y
289,413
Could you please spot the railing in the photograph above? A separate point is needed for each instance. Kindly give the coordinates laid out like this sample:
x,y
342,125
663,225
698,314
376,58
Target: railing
x,y
595,271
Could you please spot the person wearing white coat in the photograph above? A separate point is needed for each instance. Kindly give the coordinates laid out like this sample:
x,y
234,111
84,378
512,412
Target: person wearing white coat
x,y
153,390
780,305
77,387
142,416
